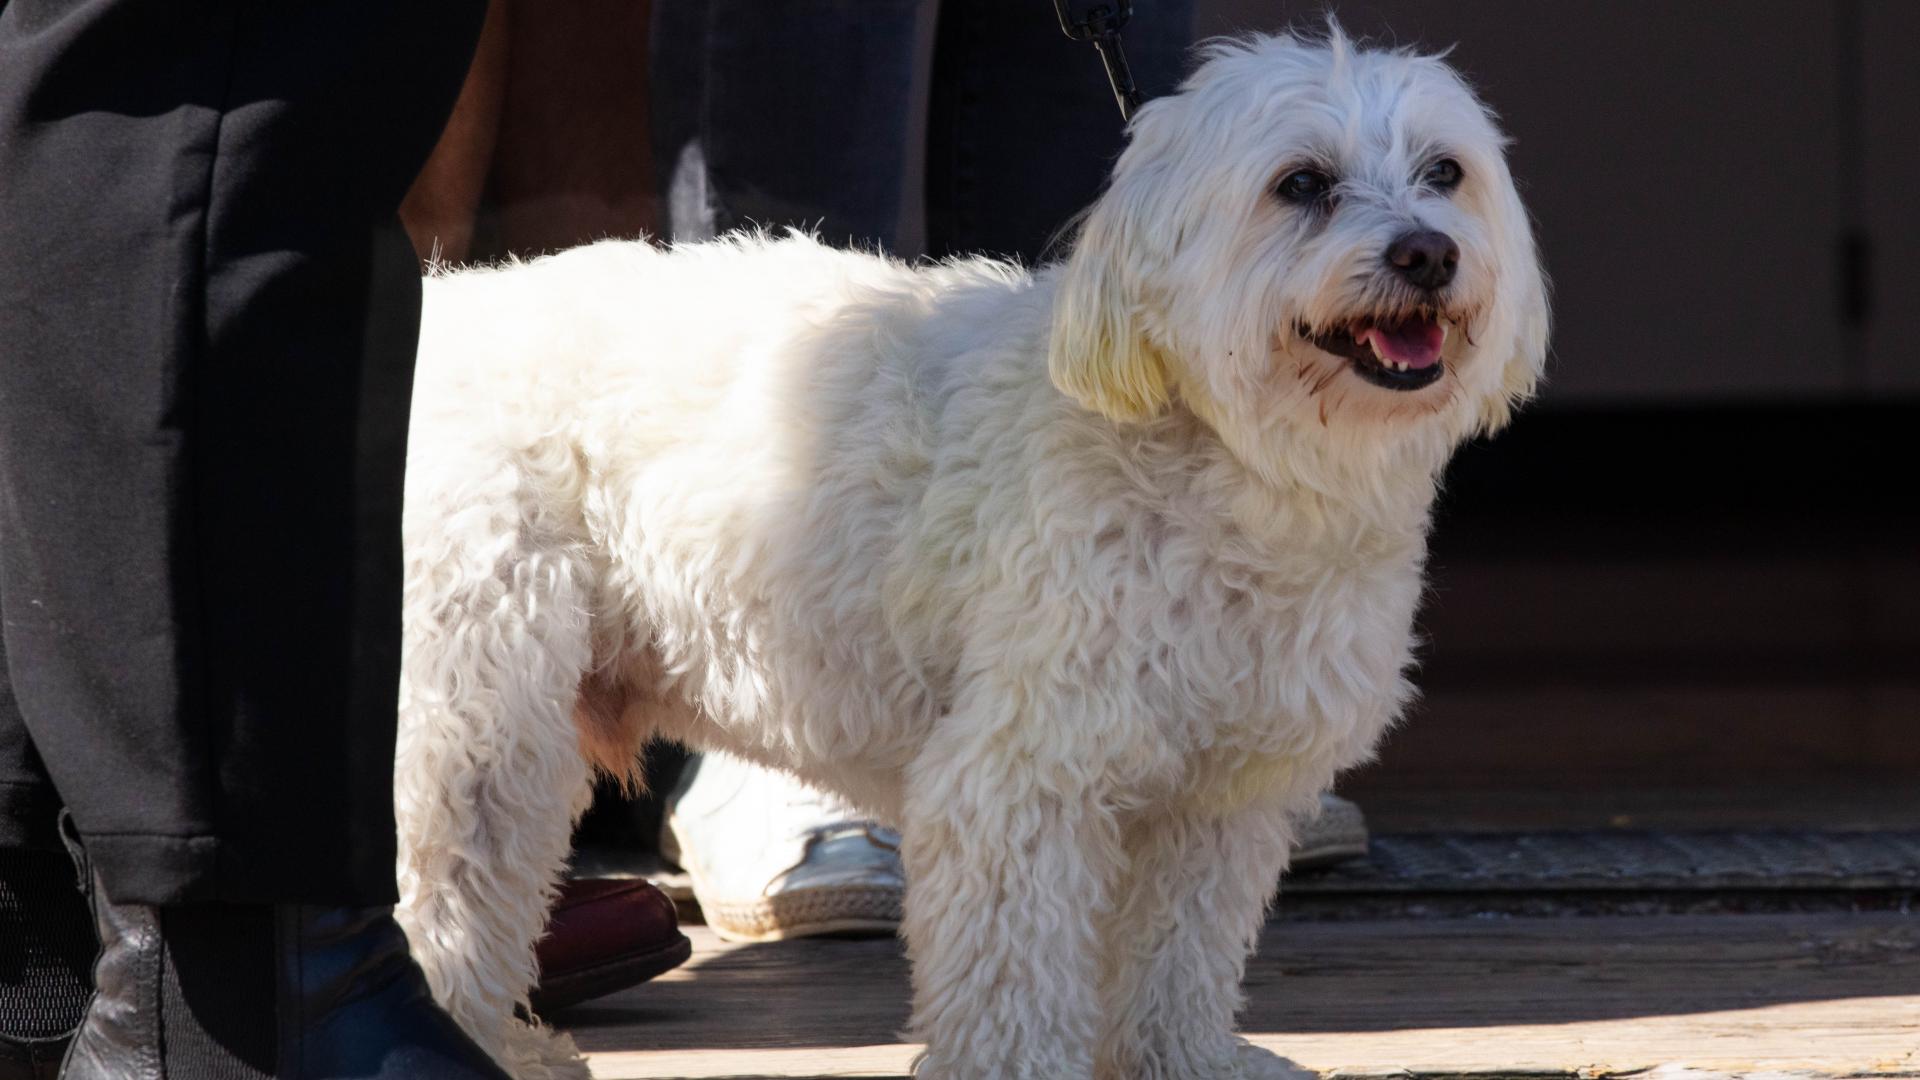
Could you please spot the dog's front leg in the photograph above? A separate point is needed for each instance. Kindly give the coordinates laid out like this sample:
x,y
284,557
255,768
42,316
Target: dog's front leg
x,y
1011,852
488,779
1196,894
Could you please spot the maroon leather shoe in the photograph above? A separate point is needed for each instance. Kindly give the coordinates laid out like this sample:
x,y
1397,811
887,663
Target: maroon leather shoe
x,y
605,935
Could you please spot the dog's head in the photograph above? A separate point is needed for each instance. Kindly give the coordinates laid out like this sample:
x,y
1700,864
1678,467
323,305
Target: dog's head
x,y
1308,242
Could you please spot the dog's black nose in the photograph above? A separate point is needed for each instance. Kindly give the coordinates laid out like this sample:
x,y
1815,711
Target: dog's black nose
x,y
1425,257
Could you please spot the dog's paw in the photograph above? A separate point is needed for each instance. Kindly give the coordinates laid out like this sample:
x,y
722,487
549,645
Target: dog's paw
x,y
1217,1058
567,1070
1251,1062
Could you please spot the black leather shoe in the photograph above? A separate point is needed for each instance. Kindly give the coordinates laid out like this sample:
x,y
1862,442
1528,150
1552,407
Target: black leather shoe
x,y
179,996
354,1003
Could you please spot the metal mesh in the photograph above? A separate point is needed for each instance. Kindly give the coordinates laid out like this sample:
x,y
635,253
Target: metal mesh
x,y
1626,860
47,945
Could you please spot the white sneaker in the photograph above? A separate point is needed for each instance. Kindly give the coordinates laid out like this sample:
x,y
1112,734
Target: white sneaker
x,y
771,858
1337,833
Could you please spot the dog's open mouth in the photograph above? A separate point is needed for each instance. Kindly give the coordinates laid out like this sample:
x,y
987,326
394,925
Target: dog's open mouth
x,y
1400,355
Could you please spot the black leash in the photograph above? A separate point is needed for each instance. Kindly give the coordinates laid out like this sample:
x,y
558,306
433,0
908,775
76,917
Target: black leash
x,y
1100,23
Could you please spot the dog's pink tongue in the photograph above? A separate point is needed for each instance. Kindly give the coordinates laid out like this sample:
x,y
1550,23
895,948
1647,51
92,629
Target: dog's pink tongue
x,y
1415,343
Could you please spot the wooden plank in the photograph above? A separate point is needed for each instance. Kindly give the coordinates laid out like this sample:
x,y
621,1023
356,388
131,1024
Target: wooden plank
x,y
1834,994
1864,805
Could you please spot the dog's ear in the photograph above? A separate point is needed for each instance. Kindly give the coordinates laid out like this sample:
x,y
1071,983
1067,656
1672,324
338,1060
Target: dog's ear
x,y
1527,360
1099,354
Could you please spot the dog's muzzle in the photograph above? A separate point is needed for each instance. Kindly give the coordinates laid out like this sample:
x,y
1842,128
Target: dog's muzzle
x,y
1402,353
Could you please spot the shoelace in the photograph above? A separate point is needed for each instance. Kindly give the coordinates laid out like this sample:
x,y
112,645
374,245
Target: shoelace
x,y
876,834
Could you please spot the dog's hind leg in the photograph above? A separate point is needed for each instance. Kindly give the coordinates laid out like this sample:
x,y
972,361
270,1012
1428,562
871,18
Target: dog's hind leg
x,y
489,776
1011,850
1197,888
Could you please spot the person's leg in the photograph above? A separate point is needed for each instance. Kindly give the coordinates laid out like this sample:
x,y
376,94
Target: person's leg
x,y
208,312
787,114
88,423
574,163
29,806
46,935
1023,127
442,208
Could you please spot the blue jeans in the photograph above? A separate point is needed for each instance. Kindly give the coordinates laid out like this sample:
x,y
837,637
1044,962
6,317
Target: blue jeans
x,y
802,113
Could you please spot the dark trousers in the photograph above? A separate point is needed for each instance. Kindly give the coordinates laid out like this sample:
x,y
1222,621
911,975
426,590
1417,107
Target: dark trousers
x,y
802,114
207,325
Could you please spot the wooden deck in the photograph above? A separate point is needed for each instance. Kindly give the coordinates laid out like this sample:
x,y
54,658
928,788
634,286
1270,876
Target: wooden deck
x,y
1829,994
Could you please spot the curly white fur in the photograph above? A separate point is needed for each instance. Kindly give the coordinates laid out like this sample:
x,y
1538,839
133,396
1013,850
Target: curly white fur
x,y
1087,577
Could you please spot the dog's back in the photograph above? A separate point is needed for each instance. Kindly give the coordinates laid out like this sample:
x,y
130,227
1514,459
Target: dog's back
x,y
743,434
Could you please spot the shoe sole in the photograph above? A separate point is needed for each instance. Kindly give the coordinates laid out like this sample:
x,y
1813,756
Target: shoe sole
x,y
610,976
843,910
1327,854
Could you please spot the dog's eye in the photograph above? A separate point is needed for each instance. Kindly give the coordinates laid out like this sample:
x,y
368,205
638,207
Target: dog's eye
x,y
1304,186
1442,175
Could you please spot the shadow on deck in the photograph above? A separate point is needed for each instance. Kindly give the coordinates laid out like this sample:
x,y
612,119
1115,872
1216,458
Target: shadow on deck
x,y
1826,993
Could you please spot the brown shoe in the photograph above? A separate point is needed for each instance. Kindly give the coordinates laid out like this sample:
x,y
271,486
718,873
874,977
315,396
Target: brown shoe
x,y
605,935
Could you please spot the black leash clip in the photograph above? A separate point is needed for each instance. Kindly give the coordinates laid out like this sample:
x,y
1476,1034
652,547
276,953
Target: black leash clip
x,y
1100,23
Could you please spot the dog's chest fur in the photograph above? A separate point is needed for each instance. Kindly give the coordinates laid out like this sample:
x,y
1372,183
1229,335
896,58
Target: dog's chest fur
x,y
1225,634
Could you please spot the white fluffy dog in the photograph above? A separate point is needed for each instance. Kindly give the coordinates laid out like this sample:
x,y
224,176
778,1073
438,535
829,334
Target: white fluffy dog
x,y
1087,577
